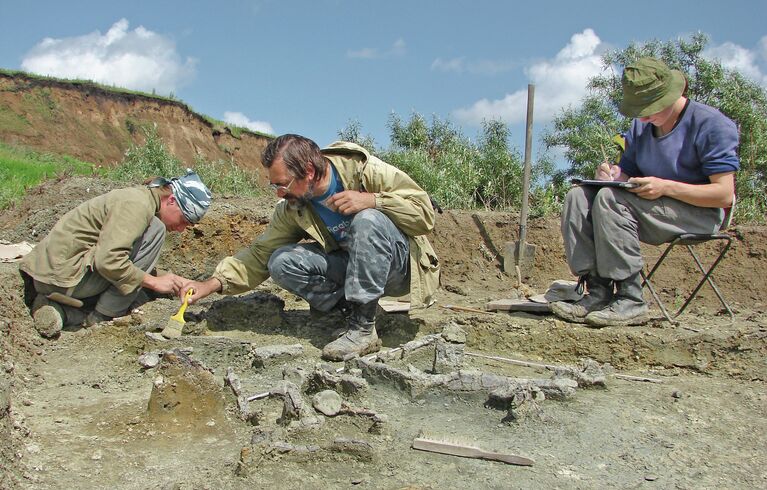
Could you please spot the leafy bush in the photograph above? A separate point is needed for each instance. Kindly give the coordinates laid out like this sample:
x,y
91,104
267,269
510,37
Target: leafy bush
x,y
460,173
152,159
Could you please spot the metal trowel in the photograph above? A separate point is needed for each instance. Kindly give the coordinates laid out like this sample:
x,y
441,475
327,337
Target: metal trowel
x,y
176,323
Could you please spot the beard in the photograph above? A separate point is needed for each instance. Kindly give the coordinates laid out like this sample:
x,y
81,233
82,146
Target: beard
x,y
300,202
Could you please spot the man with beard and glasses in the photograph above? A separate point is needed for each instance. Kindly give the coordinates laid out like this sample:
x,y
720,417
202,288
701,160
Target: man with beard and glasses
x,y
361,224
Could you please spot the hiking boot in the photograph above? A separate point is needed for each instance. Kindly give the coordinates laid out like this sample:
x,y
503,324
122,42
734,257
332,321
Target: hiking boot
x,y
48,317
600,294
361,337
342,309
95,317
626,308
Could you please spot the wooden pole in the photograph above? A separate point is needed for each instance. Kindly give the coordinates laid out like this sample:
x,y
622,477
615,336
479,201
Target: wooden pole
x,y
526,175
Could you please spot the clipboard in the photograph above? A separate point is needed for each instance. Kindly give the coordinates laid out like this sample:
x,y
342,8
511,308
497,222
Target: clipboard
x,y
605,183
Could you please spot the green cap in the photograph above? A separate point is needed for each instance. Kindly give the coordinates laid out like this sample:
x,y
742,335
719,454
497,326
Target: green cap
x,y
649,86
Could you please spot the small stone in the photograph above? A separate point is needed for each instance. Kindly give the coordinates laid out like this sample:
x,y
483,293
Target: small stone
x,y
327,402
676,394
261,355
149,360
96,456
454,334
650,477
155,336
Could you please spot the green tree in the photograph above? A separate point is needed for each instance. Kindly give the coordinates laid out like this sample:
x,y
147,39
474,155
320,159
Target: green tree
x,y
353,133
585,131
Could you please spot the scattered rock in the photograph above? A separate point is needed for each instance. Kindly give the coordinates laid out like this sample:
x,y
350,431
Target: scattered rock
x,y
327,402
296,375
149,360
155,336
448,356
261,355
346,384
588,373
360,450
380,421
454,333
294,406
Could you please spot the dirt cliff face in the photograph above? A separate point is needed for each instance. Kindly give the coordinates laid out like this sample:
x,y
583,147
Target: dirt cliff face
x,y
96,125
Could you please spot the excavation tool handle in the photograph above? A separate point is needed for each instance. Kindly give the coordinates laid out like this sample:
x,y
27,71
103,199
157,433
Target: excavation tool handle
x,y
179,317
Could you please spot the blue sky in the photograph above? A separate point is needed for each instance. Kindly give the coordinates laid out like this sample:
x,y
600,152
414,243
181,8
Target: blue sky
x,y
309,67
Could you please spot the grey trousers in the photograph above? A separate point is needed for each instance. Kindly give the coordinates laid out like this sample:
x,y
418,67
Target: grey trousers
x,y
602,228
375,262
111,302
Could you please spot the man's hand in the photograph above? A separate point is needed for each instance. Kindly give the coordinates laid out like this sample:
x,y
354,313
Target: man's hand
x,y
649,187
166,284
605,171
351,202
201,289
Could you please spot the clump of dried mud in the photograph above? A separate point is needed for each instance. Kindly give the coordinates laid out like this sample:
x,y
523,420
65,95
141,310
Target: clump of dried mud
x,y
83,412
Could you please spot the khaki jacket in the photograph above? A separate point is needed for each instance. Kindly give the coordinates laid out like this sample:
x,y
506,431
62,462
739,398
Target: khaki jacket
x,y
397,196
97,235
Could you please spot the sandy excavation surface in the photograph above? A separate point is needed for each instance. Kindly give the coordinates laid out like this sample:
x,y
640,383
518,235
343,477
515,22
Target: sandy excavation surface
x,y
113,406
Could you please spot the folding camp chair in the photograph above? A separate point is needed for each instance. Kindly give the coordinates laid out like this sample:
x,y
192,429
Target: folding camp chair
x,y
689,240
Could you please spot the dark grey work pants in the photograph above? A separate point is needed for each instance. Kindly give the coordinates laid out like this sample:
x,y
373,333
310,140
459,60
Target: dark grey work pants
x,y
375,262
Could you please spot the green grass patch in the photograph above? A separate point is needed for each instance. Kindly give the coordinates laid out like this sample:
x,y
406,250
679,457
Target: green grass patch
x,y
12,122
21,169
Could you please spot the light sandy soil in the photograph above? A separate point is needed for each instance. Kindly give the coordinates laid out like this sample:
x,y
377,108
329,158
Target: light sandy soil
x,y
78,411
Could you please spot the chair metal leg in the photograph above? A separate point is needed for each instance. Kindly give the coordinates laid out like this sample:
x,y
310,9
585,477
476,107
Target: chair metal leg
x,y
646,282
707,275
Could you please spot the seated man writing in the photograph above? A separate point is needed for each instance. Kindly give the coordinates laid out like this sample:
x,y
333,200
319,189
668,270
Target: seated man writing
x,y
682,156
365,222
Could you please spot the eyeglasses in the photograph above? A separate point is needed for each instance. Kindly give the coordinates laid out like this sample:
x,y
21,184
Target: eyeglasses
x,y
282,188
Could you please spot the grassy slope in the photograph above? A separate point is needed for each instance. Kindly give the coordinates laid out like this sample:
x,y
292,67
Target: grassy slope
x,y
21,168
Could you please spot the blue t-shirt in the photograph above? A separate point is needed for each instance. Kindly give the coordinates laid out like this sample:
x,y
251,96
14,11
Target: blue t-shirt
x,y
337,223
704,142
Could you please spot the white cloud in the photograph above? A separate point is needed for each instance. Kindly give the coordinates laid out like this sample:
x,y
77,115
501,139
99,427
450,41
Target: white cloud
x,y
481,67
240,119
559,82
398,48
139,59
747,62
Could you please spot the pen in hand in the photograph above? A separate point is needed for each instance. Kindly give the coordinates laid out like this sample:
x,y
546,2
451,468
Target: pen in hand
x,y
606,170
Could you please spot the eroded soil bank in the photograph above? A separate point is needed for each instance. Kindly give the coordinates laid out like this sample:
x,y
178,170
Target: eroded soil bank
x,y
79,412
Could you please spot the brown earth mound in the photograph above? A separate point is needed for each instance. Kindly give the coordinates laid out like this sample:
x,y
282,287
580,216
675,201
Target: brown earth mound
x,y
97,125
74,407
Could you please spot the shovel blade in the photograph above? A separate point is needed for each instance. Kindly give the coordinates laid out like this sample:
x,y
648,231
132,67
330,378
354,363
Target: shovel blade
x,y
522,254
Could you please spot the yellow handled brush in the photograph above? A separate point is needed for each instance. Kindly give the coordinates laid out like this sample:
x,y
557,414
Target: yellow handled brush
x,y
176,323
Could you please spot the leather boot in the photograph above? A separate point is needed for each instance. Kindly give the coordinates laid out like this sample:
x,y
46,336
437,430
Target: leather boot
x,y
627,308
48,317
361,337
600,293
95,317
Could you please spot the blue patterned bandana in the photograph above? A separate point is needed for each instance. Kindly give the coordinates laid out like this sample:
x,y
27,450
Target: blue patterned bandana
x,y
192,195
